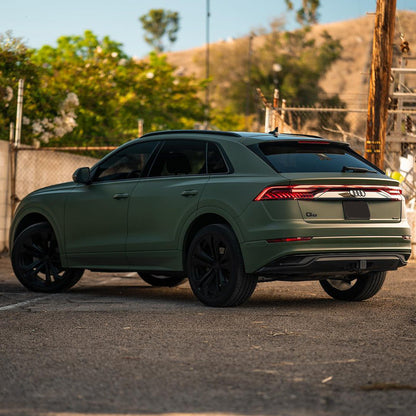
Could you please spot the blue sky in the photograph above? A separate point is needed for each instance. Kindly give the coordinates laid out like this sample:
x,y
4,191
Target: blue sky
x,y
41,22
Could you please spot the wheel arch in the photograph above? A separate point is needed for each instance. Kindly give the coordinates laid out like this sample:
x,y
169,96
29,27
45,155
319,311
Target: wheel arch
x,y
32,218
27,221
197,224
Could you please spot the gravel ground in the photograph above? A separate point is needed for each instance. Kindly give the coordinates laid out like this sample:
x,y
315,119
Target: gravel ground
x,y
114,345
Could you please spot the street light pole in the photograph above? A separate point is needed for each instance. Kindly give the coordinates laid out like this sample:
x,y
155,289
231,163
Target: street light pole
x,y
248,91
207,73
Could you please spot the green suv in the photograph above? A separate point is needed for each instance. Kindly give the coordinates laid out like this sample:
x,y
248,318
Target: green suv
x,y
223,209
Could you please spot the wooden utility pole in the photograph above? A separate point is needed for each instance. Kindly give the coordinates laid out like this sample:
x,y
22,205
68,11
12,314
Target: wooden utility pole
x,y
378,97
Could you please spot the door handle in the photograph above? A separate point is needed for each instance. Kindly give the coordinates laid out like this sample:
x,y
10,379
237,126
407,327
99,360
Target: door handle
x,y
190,192
120,196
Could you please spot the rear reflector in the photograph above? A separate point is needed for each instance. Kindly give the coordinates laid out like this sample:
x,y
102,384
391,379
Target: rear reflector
x,y
311,191
288,239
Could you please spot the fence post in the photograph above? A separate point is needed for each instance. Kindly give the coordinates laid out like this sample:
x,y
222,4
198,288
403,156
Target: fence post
x,y
14,146
267,120
12,173
19,113
140,127
282,116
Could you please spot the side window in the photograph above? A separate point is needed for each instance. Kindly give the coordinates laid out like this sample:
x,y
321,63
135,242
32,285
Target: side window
x,y
216,162
180,157
128,163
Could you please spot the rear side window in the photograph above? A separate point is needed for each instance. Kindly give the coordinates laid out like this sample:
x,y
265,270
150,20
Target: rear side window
x,y
216,162
180,157
303,157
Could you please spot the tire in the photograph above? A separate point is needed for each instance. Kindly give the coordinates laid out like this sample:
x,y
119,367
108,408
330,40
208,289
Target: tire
x,y
36,262
216,270
361,288
160,280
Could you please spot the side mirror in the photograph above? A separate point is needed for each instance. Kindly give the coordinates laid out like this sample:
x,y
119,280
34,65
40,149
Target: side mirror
x,y
82,175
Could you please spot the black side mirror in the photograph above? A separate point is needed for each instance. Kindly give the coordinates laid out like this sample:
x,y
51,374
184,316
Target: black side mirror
x,y
82,175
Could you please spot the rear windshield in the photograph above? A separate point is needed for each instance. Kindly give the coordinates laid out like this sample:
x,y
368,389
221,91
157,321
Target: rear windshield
x,y
303,157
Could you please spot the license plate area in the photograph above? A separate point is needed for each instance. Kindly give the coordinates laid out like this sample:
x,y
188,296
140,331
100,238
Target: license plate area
x,y
356,210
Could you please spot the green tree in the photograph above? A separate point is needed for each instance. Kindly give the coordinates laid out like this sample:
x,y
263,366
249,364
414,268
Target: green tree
x,y
159,23
87,91
308,13
16,62
303,62
114,91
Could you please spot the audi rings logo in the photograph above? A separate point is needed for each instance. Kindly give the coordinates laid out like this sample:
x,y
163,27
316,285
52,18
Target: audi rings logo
x,y
357,193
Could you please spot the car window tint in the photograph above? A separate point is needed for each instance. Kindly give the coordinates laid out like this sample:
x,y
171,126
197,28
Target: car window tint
x,y
180,157
128,163
301,157
216,162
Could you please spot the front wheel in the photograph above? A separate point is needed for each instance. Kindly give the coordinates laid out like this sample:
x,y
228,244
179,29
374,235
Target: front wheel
x,y
36,262
361,287
215,268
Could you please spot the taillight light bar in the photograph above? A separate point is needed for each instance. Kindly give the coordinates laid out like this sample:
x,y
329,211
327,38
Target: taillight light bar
x,y
292,192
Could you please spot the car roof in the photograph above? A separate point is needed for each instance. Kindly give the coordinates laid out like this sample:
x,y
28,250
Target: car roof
x,y
245,137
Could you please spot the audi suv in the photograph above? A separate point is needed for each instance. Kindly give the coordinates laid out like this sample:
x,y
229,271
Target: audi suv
x,y
225,210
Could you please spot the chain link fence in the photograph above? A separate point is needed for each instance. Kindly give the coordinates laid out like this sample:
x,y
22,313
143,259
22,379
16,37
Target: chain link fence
x,y
39,167
31,168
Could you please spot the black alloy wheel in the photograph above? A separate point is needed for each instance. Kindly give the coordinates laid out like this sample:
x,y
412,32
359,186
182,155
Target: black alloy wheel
x,y
159,280
36,261
358,288
216,270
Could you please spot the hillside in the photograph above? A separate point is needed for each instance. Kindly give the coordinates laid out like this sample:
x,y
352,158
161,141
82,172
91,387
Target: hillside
x,y
348,77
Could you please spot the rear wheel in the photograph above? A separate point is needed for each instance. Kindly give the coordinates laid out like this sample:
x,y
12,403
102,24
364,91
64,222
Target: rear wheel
x,y
215,268
362,287
36,262
161,280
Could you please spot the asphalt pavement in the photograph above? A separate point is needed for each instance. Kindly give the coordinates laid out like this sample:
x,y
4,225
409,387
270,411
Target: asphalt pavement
x,y
114,345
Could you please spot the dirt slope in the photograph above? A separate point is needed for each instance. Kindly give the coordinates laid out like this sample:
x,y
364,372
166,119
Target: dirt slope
x,y
348,77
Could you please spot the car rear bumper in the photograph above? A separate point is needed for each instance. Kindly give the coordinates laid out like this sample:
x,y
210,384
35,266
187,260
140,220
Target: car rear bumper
x,y
313,266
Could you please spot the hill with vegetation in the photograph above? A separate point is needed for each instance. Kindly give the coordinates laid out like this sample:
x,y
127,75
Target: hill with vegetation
x,y
347,76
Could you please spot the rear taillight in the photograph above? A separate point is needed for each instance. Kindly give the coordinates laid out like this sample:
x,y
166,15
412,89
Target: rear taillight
x,y
286,192
328,191
394,191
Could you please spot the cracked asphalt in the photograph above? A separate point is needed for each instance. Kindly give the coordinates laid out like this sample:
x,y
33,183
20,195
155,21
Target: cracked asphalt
x,y
114,345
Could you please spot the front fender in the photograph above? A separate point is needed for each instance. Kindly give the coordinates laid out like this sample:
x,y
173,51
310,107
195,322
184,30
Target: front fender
x,y
33,211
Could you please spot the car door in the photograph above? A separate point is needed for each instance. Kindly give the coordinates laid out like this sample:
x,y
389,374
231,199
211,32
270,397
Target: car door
x,y
163,202
96,214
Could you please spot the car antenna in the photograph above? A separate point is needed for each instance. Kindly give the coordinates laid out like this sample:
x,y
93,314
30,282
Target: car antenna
x,y
275,132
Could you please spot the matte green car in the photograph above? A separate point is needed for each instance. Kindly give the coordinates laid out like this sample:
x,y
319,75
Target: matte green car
x,y
223,209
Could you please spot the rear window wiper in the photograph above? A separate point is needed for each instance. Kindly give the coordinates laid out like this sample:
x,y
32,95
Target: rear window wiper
x,y
356,169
